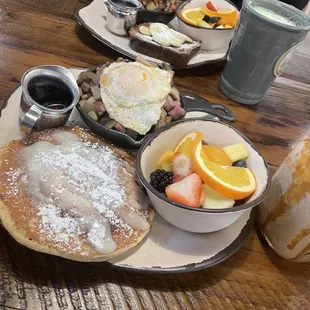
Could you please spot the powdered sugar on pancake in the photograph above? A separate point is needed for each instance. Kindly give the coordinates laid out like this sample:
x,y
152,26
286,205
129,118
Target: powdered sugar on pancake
x,y
81,190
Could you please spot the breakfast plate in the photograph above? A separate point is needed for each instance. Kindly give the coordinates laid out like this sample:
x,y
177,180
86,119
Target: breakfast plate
x,y
93,18
166,248
177,105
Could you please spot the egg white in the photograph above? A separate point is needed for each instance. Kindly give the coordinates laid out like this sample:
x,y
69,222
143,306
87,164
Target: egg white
x,y
134,94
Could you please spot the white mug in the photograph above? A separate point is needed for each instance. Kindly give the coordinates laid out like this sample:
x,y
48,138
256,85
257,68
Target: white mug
x,y
284,216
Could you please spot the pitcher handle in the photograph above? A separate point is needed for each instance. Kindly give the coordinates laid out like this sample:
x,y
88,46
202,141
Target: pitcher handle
x,y
30,119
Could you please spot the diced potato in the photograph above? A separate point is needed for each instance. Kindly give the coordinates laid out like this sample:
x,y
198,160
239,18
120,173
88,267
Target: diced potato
x,y
81,103
151,6
175,94
236,152
93,115
214,200
89,105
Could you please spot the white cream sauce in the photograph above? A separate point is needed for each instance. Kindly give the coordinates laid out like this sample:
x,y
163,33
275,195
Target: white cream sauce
x,y
80,180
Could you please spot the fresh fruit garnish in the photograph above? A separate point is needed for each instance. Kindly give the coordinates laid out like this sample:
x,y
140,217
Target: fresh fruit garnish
x,y
181,166
214,19
211,6
181,161
188,191
236,152
232,182
214,200
185,146
161,38
145,30
160,179
181,36
204,24
192,16
202,198
158,28
227,17
240,163
217,155
165,36
167,166
165,158
177,178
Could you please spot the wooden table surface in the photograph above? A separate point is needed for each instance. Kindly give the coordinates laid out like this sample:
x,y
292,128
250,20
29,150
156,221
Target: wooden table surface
x,y
37,32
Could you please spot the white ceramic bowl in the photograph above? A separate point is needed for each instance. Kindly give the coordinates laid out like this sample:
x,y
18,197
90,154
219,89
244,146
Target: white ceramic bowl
x,y
211,39
214,132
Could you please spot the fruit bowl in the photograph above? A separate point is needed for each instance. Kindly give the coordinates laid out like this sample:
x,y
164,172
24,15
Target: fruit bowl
x,y
211,38
199,220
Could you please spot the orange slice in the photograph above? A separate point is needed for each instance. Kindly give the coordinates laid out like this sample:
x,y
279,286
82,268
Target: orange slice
x,y
192,16
217,155
232,182
164,158
185,146
228,17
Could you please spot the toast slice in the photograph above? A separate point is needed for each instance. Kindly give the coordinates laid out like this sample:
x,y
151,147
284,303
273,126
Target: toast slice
x,y
177,56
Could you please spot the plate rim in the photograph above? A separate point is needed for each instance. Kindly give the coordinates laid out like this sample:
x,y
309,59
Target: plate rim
x,y
96,35
207,263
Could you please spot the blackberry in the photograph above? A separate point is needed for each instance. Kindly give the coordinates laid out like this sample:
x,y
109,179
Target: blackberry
x,y
240,163
214,20
160,179
207,18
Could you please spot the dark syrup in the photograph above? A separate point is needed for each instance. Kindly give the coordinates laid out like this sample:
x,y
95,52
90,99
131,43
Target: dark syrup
x,y
50,93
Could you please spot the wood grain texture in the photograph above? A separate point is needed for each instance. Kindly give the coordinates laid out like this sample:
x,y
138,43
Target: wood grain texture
x,y
37,32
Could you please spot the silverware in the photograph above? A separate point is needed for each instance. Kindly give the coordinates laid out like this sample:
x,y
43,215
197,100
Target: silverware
x,y
121,15
49,94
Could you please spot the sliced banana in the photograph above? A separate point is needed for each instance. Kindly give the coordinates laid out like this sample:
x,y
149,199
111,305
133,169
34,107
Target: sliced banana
x,y
145,30
181,36
162,38
174,41
204,24
158,28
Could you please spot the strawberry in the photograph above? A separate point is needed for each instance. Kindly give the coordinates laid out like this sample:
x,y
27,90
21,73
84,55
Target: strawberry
x,y
177,178
202,198
211,6
181,166
188,191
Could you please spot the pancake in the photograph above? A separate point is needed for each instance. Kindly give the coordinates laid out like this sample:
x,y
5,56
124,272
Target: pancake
x,y
68,193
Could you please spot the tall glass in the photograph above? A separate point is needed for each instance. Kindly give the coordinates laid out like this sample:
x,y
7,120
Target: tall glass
x,y
267,35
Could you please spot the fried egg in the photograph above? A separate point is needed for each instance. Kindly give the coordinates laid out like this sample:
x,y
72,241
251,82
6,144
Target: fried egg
x,y
134,94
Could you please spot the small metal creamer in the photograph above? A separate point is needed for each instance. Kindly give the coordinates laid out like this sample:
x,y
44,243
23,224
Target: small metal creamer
x,y
121,15
49,94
